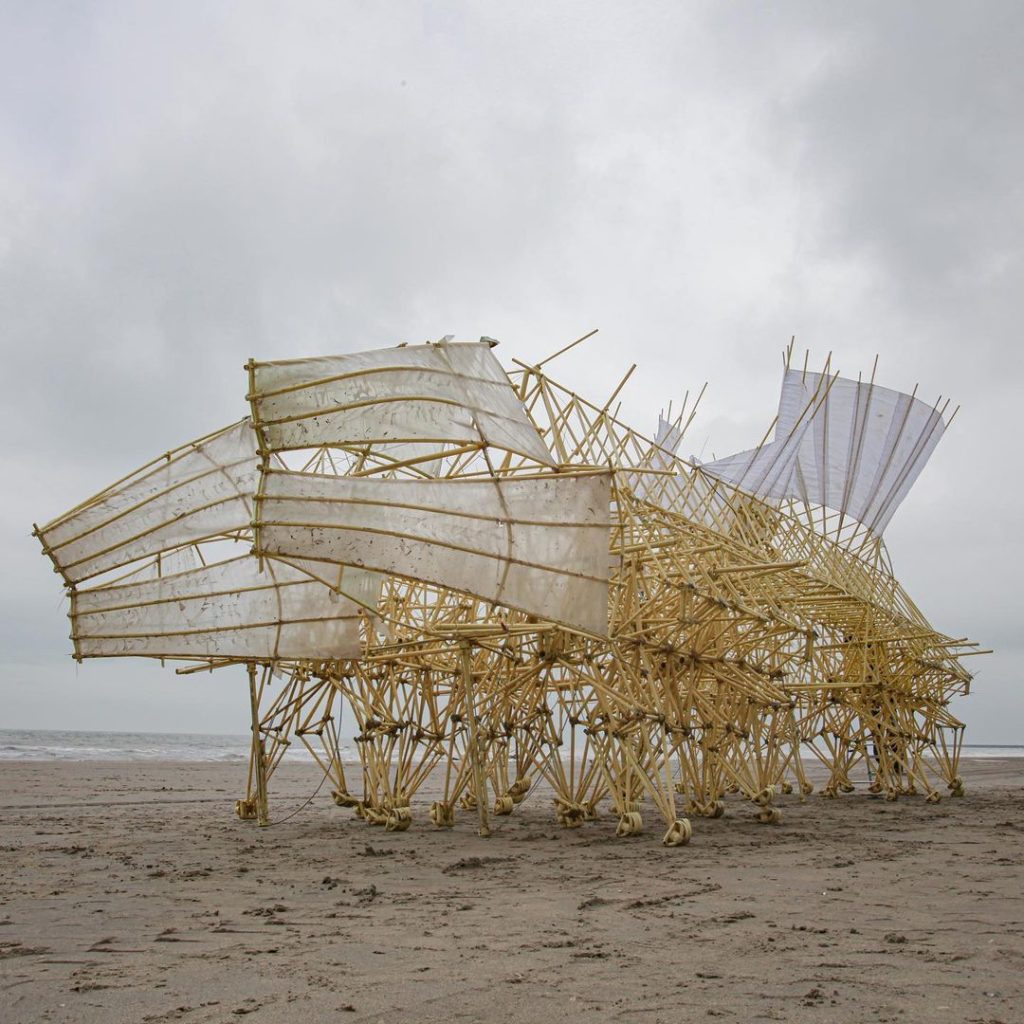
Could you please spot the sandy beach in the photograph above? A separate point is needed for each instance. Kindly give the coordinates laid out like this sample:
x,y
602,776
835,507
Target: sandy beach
x,y
129,892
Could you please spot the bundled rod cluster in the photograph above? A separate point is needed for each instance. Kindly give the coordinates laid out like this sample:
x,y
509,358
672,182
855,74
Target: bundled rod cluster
x,y
501,584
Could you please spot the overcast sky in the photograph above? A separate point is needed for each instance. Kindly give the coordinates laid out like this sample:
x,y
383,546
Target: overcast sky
x,y
186,185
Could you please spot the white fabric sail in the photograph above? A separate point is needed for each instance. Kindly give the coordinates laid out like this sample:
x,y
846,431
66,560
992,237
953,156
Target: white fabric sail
x,y
226,610
858,452
538,544
359,586
443,393
199,491
766,471
668,436
427,459
865,447
657,488
167,563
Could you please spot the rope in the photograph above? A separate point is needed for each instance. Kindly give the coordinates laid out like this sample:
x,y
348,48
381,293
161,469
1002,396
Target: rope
x,y
305,804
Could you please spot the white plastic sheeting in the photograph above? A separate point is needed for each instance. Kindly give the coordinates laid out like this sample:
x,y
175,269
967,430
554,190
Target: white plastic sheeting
x,y
445,393
668,437
766,471
865,447
539,544
226,610
429,458
359,585
857,450
200,491
657,488
167,563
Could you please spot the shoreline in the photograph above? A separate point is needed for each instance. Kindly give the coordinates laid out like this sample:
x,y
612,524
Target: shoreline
x,y
301,758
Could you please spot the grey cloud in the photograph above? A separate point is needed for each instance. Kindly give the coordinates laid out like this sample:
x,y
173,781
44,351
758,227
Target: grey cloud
x,y
181,188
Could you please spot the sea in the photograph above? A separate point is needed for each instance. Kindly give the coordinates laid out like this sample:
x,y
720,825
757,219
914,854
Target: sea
x,y
66,745
61,745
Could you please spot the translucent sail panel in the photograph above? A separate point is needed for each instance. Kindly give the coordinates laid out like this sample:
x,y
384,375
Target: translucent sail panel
x,y
422,459
852,446
167,563
657,487
357,585
450,394
682,491
228,610
200,491
864,448
766,471
668,437
536,544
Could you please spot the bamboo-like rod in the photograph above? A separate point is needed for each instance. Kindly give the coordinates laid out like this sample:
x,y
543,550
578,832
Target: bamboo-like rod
x,y
258,755
475,749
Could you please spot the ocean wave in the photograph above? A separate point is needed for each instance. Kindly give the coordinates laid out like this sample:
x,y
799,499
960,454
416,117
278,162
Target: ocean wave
x,y
62,745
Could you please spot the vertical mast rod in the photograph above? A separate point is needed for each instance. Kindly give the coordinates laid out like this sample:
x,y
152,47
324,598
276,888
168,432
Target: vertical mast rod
x,y
474,747
258,756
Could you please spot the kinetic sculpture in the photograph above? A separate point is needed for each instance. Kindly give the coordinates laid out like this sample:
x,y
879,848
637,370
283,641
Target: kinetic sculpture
x,y
502,583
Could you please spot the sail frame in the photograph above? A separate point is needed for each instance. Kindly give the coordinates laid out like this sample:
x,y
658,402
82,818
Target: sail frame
x,y
852,446
433,394
224,611
197,492
468,535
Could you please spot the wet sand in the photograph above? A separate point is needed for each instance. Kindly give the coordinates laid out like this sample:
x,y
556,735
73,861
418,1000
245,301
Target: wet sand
x,y
128,892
